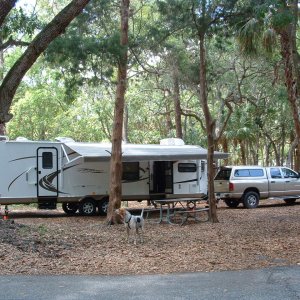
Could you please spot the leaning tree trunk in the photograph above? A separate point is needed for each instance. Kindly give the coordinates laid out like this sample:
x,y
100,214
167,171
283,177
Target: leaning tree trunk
x,y
115,194
39,44
210,126
5,8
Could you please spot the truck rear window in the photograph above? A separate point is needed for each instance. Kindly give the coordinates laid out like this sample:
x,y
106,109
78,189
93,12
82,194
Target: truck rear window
x,y
223,174
249,173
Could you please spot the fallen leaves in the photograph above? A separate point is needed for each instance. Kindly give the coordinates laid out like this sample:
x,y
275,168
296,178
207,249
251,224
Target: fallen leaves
x,y
266,236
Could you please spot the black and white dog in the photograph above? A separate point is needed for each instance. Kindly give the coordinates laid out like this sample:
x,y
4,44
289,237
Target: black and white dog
x,y
134,224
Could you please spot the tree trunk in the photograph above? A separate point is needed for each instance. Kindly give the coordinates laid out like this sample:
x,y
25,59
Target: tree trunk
x,y
176,99
169,125
125,125
243,152
115,194
5,8
1,61
224,144
210,126
13,78
288,42
294,5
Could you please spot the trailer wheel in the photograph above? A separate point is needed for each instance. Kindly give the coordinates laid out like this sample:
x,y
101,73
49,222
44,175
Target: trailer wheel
x,y
70,208
251,199
103,206
232,203
87,207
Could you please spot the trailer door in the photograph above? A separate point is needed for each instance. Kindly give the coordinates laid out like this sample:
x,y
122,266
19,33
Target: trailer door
x,y
47,172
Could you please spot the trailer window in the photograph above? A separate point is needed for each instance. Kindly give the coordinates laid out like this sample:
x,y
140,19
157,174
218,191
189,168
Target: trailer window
x,y
131,171
187,167
47,160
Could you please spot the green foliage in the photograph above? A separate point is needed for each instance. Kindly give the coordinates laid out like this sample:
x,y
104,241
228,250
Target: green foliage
x,y
70,91
249,36
19,23
281,19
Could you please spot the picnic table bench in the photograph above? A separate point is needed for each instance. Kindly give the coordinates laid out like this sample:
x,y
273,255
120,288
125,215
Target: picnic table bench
x,y
187,209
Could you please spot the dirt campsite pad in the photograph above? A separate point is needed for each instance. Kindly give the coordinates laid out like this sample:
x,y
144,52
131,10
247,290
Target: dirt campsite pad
x,y
49,242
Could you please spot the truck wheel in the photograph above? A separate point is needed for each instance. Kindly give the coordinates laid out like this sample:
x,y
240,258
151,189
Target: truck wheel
x,y
87,207
103,206
70,208
232,203
251,200
289,201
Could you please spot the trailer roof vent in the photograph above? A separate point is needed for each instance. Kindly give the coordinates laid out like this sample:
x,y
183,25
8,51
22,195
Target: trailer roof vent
x,y
171,142
21,139
4,138
64,139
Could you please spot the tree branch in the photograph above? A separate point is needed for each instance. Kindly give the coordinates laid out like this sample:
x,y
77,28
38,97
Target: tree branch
x,y
189,113
11,42
39,44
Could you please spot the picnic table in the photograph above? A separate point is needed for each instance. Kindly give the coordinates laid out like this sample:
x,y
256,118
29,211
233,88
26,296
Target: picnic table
x,y
179,210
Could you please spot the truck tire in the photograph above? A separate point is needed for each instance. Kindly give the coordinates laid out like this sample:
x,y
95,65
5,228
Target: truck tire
x,y
70,208
87,207
103,206
232,203
251,200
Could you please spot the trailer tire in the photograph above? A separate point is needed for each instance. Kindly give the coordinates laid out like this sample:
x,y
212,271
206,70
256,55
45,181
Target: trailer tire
x,y
232,203
103,206
87,207
70,208
251,199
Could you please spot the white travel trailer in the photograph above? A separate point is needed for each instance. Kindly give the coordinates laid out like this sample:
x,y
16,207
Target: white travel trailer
x,y
77,174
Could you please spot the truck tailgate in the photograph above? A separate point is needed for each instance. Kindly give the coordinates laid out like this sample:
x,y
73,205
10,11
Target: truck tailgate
x,y
221,186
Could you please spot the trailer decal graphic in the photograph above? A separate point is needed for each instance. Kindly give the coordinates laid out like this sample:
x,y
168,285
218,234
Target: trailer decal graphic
x,y
46,181
191,180
90,171
22,158
140,179
15,179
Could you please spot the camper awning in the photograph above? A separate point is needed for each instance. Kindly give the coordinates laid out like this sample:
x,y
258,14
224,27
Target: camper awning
x,y
135,152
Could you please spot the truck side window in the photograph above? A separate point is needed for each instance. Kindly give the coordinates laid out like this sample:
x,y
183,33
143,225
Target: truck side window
x,y
256,172
242,173
287,173
249,173
47,160
275,173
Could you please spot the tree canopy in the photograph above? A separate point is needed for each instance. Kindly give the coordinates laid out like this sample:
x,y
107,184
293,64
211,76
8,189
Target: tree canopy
x,y
71,87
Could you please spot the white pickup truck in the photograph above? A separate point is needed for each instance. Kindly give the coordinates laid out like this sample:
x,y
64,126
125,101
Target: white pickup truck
x,y
249,184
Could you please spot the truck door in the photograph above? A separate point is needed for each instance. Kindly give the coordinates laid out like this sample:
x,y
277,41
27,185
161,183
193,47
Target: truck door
x,y
292,182
276,183
47,172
